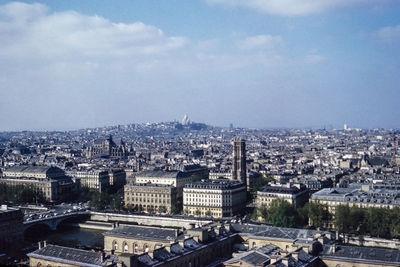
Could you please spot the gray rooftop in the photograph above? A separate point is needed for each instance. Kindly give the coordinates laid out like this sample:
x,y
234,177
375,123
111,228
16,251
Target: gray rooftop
x,y
391,256
68,255
143,233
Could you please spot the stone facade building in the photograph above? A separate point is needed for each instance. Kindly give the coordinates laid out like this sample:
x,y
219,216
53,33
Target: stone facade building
x,y
217,198
151,197
297,194
137,239
50,182
98,180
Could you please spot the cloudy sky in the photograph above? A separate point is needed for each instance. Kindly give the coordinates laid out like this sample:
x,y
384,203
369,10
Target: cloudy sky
x,y
254,63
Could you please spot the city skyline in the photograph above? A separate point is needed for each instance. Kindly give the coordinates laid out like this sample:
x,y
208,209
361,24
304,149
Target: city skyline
x,y
255,64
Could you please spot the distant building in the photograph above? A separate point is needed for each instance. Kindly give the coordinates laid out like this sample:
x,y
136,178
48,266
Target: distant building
x,y
151,197
107,147
50,182
117,178
295,194
98,180
217,198
239,160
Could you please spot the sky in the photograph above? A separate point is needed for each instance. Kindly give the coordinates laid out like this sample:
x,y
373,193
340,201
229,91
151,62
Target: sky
x,y
253,63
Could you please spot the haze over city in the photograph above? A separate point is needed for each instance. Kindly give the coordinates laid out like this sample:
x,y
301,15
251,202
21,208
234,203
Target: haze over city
x,y
265,64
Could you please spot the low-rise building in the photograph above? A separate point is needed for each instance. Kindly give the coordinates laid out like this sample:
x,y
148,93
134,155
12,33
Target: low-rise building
x,y
217,198
52,255
151,197
295,194
50,182
137,239
97,180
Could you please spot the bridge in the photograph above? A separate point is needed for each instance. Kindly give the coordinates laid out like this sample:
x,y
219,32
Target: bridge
x,y
53,221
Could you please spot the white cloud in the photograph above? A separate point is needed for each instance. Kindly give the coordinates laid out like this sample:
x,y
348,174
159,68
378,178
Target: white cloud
x,y
66,70
260,42
30,31
294,7
390,34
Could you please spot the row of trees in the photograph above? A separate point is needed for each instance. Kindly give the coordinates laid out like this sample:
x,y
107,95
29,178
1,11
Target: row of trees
x,y
281,213
378,222
18,194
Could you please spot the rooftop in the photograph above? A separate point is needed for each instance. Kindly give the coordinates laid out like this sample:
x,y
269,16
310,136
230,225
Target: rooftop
x,y
68,255
143,233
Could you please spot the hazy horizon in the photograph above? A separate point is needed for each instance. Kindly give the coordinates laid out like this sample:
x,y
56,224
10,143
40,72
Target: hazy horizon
x,y
68,65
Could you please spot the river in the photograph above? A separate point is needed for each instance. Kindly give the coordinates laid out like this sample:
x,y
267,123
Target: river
x,y
70,237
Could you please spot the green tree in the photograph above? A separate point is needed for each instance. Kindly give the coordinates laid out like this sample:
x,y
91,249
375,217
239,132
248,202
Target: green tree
x,y
282,214
315,214
197,212
378,222
342,218
208,213
162,209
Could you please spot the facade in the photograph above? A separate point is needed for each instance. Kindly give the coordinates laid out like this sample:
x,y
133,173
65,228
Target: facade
x,y
137,239
297,195
151,197
50,182
98,180
52,255
217,198
39,172
117,178
159,247
11,228
107,147
239,160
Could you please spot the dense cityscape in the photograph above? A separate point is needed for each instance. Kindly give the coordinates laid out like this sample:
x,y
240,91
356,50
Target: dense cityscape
x,y
185,193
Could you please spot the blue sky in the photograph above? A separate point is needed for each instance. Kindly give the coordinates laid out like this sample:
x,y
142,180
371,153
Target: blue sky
x,y
254,63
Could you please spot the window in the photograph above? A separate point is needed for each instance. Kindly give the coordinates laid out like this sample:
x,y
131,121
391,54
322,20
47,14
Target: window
x,y
126,248
115,245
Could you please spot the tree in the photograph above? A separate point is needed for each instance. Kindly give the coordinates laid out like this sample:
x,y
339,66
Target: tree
x,y
282,213
197,212
162,209
378,222
342,218
315,214
208,213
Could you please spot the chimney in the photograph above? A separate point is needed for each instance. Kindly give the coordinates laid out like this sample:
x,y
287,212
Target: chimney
x,y
285,261
295,255
40,244
273,258
181,243
334,248
44,243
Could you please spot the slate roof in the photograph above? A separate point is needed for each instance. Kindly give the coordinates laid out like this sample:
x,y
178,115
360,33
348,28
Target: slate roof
x,y
365,254
35,169
142,233
68,255
272,231
162,174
